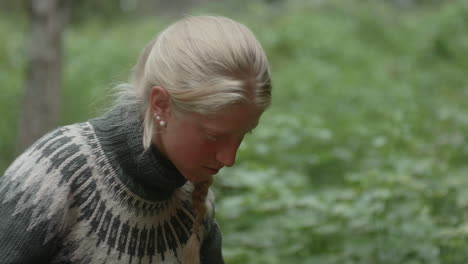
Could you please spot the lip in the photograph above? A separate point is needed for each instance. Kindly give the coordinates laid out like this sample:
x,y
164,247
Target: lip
x,y
212,171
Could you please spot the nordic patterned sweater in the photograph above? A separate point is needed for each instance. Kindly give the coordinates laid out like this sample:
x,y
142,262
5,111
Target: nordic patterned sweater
x,y
88,193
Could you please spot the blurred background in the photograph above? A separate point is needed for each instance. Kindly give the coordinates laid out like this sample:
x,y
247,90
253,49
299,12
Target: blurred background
x,y
362,157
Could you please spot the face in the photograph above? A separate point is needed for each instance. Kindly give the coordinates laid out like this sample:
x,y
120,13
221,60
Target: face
x,y
200,145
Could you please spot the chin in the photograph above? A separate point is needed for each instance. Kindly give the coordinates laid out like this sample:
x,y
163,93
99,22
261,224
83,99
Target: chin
x,y
198,178
191,177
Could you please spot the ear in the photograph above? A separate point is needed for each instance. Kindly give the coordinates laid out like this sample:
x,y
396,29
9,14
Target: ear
x,y
160,102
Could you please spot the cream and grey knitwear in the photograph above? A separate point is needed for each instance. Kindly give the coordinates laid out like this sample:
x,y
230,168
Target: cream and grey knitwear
x,y
88,193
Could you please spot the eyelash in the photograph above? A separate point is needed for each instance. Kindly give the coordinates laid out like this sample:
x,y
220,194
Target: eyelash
x,y
212,138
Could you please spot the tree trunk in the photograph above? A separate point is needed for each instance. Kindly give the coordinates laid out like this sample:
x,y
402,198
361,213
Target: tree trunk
x,y
41,102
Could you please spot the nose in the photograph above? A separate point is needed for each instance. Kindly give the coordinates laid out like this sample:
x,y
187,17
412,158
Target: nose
x,y
227,154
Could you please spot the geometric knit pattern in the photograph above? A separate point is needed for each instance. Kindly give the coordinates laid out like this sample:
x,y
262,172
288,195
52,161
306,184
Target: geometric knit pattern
x,y
62,201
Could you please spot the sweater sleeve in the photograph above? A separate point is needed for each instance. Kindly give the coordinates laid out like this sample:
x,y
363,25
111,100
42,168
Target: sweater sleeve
x,y
33,207
22,240
211,248
18,243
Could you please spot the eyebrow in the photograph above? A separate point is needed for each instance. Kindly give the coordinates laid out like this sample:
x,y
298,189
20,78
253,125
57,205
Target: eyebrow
x,y
221,132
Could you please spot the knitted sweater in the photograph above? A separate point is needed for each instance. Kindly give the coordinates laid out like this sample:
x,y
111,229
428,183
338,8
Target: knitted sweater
x,y
89,193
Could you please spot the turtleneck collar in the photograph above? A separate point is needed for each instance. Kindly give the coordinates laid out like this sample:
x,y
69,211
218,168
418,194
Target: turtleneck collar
x,y
148,174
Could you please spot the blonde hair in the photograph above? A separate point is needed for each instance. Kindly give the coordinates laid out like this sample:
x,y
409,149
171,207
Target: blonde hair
x,y
205,63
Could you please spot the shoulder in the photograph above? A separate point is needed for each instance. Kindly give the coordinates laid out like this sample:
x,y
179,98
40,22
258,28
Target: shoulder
x,y
61,137
35,188
50,153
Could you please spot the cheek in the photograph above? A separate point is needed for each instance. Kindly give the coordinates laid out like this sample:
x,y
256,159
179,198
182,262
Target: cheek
x,y
190,151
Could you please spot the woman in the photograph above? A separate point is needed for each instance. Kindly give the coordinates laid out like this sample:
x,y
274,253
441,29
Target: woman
x,y
132,186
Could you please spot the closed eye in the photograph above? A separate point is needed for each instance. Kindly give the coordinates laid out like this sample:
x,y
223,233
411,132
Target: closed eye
x,y
212,137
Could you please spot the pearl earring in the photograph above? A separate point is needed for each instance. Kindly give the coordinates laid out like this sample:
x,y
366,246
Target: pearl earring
x,y
161,122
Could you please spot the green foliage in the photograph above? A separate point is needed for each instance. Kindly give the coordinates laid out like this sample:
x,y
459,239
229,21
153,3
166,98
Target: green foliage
x,y
361,157
11,76
98,62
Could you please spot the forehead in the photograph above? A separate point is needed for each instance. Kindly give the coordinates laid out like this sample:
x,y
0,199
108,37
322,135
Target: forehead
x,y
231,119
